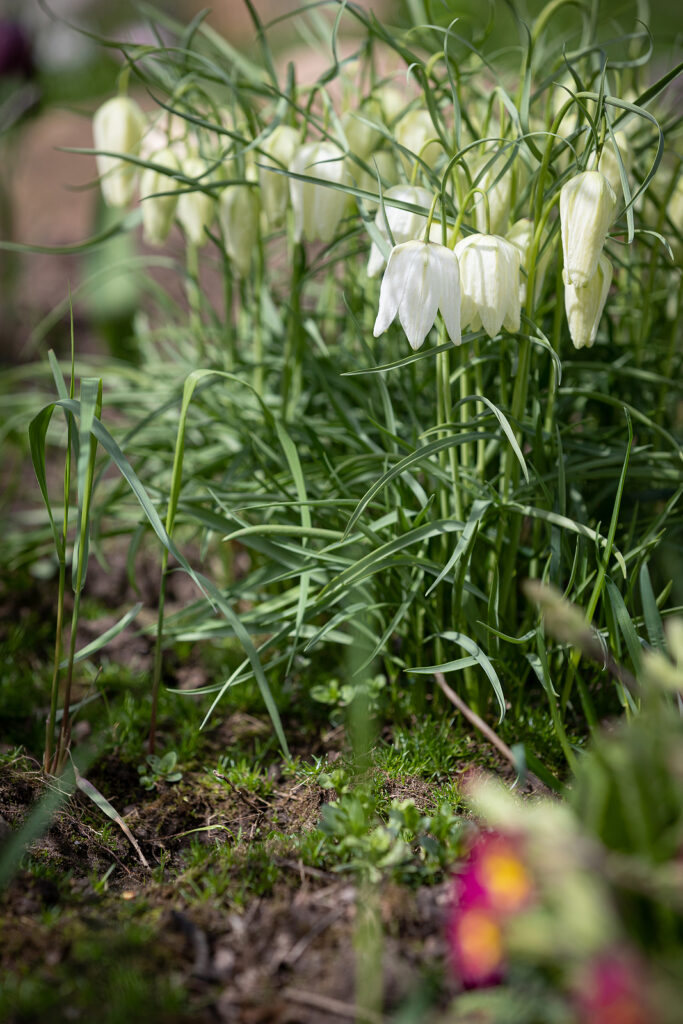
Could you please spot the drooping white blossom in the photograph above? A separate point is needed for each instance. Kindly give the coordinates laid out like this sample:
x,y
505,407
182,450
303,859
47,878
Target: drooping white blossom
x,y
238,213
584,305
278,152
587,208
118,126
421,278
158,210
317,208
489,283
196,210
401,225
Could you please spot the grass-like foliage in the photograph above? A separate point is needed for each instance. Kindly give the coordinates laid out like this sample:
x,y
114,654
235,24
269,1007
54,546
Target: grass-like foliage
x,y
347,499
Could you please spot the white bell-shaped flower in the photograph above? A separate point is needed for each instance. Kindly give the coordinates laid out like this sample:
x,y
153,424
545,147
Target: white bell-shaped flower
x,y
587,208
317,208
421,278
238,213
278,152
584,305
402,225
158,210
489,283
118,126
196,210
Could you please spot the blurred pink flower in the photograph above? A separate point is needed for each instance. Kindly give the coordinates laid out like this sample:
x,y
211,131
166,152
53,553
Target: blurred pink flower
x,y
494,885
613,991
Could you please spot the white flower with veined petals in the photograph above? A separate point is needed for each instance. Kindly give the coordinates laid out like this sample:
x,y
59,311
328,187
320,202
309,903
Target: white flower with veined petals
x,y
317,208
587,208
584,305
489,283
421,278
405,226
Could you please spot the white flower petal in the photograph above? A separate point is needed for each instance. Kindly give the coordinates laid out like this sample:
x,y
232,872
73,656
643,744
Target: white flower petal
x,y
489,283
587,208
420,278
584,306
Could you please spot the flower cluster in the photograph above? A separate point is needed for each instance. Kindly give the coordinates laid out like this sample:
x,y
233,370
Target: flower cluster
x,y
458,226
494,886
528,894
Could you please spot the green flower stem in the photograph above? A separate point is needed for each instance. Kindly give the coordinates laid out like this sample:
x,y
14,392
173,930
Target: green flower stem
x,y
510,474
479,386
193,293
158,644
229,332
291,374
674,343
449,458
257,325
65,731
54,690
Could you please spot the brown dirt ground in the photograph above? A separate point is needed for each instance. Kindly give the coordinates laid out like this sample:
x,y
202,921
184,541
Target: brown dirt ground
x,y
284,957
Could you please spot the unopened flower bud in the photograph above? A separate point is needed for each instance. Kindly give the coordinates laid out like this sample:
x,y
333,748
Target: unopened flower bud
x,y
158,210
587,208
117,127
317,208
278,152
393,102
361,137
499,196
238,212
401,225
489,283
196,210
416,133
383,164
584,305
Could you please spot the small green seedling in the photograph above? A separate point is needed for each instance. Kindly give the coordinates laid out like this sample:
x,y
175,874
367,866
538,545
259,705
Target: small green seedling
x,y
159,769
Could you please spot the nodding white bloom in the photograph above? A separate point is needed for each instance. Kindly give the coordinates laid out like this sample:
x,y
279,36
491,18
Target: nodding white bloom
x,y
489,283
196,210
587,208
499,197
416,133
238,212
118,126
584,305
317,209
421,278
158,210
402,225
278,152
